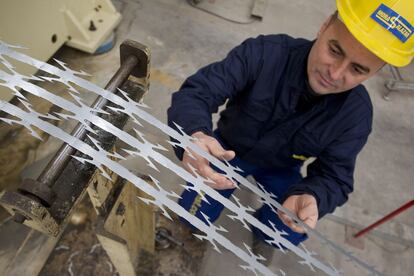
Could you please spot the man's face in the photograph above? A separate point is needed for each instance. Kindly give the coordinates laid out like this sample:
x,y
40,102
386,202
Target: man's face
x,y
337,61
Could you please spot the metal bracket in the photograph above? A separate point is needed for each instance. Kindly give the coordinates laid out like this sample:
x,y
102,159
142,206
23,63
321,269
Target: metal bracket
x,y
141,52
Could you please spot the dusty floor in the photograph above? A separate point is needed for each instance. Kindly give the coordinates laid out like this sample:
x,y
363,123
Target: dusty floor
x,y
183,39
79,252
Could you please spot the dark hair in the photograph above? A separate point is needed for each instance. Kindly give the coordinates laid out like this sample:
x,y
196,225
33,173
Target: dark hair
x,y
333,18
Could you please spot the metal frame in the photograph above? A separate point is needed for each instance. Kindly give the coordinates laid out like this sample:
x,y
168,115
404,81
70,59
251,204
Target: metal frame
x,y
397,83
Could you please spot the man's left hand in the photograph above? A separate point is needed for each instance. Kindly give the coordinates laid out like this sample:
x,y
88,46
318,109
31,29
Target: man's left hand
x,y
305,208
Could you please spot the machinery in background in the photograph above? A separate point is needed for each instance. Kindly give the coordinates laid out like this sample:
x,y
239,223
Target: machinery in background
x,y
44,26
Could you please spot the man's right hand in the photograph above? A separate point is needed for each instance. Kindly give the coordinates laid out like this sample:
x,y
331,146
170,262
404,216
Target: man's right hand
x,y
202,166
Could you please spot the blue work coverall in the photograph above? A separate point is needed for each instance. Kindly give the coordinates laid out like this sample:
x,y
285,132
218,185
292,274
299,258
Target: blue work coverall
x,y
273,122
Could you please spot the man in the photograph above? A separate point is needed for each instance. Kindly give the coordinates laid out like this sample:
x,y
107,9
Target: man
x,y
291,99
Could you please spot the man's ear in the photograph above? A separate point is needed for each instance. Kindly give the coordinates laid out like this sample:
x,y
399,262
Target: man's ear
x,y
331,19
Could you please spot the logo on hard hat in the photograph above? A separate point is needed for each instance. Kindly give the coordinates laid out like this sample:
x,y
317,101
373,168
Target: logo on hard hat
x,y
393,22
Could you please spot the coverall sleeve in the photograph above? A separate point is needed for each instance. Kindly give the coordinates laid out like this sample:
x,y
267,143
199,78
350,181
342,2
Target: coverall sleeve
x,y
330,177
202,93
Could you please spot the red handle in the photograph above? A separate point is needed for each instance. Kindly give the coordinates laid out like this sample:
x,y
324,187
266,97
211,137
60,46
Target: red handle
x,y
384,219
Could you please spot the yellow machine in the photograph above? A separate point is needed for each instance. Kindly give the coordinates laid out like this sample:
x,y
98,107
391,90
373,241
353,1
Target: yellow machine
x,y
44,26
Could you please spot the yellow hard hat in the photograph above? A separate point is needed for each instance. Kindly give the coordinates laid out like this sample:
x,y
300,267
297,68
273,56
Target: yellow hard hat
x,y
384,27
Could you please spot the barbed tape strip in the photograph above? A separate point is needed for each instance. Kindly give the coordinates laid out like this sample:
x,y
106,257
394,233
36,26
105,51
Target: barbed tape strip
x,y
133,108
100,158
146,150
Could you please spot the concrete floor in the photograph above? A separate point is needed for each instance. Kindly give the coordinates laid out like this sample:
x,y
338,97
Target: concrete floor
x,y
182,39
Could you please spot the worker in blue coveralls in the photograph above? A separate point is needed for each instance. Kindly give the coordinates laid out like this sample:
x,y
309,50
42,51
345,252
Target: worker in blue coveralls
x,y
290,99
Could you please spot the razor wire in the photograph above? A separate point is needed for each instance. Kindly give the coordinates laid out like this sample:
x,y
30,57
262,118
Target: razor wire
x,y
147,150
100,158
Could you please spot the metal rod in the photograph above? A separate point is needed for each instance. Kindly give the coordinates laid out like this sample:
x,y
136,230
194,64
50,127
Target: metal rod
x,y
384,219
55,167
396,75
397,83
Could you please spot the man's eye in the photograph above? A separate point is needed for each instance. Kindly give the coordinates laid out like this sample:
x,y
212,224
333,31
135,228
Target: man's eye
x,y
357,70
334,51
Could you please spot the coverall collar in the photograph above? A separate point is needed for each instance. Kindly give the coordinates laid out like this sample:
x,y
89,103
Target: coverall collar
x,y
297,76
297,68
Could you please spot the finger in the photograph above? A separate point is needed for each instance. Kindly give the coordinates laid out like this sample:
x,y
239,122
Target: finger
x,y
297,228
311,222
189,168
190,162
219,186
307,212
219,181
290,223
191,155
228,155
284,218
201,165
207,172
217,150
309,215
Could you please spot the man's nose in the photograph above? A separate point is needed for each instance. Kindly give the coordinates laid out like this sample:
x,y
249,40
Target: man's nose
x,y
337,71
